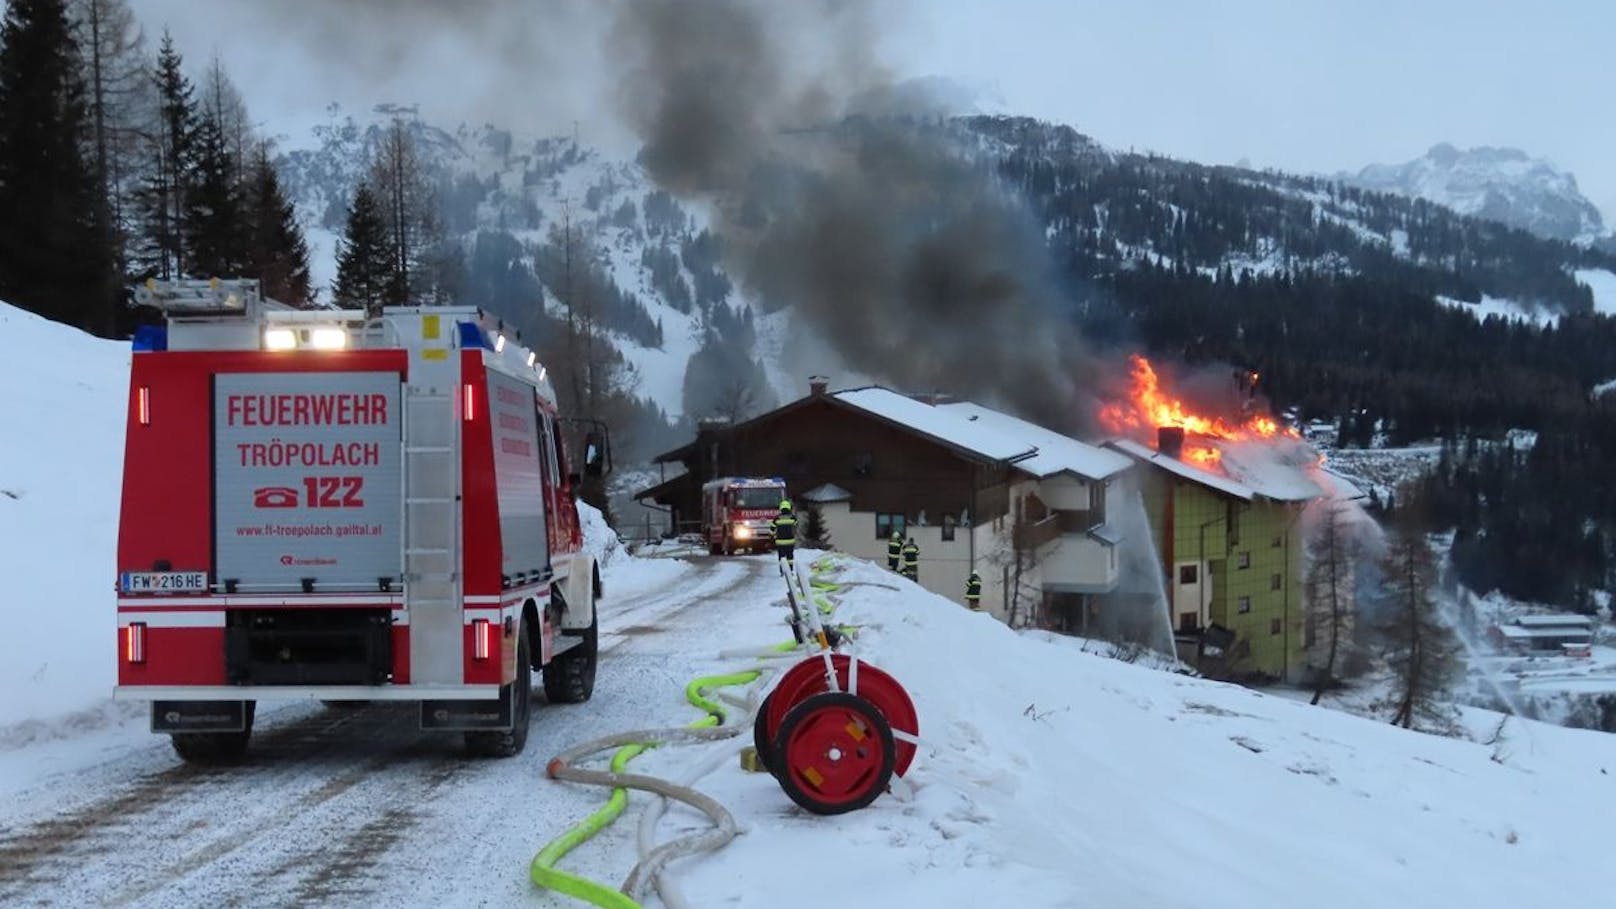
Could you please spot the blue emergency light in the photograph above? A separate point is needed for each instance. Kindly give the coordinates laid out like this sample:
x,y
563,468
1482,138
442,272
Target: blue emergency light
x,y
149,338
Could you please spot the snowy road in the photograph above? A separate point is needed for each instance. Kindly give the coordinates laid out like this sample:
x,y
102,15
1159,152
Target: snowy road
x,y
358,807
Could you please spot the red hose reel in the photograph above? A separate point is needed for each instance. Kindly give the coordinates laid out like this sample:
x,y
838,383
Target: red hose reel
x,y
834,731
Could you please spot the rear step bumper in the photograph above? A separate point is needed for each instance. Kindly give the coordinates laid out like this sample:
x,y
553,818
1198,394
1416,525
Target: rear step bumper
x,y
305,692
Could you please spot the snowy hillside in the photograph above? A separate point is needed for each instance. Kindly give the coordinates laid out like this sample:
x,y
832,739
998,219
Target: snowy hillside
x,y
1501,184
1049,776
489,179
61,458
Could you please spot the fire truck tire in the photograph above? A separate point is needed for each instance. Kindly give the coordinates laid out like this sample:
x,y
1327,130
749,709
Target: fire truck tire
x,y
510,742
214,748
570,677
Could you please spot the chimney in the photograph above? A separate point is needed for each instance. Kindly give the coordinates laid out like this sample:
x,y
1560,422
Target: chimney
x,y
1170,441
817,385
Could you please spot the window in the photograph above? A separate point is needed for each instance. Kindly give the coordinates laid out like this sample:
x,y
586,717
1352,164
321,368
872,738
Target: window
x,y
1245,605
948,528
1243,559
1275,626
1279,541
1188,574
885,524
1188,622
863,464
797,462
1275,582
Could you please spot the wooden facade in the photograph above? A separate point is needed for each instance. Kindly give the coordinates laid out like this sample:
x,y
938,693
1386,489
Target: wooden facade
x,y
888,468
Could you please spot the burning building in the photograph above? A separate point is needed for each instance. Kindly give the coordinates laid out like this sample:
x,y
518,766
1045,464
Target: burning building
x,y
1224,496
1033,511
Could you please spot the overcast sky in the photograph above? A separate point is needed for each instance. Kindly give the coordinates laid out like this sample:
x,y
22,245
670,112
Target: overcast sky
x,y
1303,86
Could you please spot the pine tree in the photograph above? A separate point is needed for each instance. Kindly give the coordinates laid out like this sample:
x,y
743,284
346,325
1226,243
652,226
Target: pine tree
x,y
365,269
215,228
277,254
1422,650
113,69
54,256
161,200
1328,588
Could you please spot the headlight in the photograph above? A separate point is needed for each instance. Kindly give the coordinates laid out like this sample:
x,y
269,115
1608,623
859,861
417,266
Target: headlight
x,y
328,339
743,532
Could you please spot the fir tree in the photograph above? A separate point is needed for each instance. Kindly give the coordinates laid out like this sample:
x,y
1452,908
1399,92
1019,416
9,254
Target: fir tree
x,y
277,254
54,256
215,227
366,268
161,200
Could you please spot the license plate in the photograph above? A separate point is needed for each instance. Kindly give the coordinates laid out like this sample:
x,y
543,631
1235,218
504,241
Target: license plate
x,y
164,582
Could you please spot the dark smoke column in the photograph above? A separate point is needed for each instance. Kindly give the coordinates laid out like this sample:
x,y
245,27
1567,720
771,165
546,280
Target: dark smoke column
x,y
881,234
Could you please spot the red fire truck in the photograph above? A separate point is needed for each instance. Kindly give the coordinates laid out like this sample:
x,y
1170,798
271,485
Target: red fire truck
x,y
321,505
737,513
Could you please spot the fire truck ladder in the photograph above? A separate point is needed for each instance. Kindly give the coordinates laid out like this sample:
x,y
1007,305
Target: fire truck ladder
x,y
431,538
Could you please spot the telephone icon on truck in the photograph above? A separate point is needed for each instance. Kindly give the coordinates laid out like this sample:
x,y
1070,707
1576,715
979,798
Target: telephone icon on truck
x,y
275,497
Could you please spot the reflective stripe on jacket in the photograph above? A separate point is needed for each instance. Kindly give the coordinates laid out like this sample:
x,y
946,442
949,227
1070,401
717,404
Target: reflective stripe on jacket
x,y
785,530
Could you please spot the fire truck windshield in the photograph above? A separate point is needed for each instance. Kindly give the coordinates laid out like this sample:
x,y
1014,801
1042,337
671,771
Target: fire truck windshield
x,y
757,497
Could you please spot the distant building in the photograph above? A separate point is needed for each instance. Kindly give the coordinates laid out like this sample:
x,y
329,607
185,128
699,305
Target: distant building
x,y
1228,533
977,489
1543,635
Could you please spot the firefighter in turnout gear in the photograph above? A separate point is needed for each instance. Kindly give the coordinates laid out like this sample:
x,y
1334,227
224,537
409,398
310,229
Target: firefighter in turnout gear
x,y
894,550
911,560
973,592
785,532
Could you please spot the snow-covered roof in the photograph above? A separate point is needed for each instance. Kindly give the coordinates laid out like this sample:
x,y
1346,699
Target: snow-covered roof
x,y
1271,469
826,493
1277,469
1055,453
937,422
1173,465
1554,621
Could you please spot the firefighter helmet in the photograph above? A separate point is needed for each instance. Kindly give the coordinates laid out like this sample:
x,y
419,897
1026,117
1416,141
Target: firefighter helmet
x,y
785,504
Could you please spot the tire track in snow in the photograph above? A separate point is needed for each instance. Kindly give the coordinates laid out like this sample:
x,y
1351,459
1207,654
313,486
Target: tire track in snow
x,y
325,799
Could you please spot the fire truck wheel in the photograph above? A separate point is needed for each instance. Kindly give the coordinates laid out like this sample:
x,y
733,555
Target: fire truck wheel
x,y
510,742
214,748
570,677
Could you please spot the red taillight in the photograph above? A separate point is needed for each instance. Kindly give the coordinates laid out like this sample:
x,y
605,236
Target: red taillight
x,y
482,632
134,642
143,406
470,401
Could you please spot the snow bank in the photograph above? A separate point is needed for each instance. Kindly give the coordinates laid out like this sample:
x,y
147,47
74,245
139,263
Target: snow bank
x,y
1053,777
61,458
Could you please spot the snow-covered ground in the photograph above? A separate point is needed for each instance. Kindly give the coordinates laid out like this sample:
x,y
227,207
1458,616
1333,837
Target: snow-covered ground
x,y
1603,284
1506,309
1048,777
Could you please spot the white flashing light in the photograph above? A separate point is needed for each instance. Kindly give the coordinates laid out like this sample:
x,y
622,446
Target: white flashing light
x,y
328,339
280,339
499,343
543,371
532,357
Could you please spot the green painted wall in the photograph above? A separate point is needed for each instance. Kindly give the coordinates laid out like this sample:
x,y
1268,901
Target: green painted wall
x,y
1201,521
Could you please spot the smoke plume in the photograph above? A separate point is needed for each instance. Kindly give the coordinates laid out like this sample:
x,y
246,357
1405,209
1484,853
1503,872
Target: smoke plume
x,y
880,232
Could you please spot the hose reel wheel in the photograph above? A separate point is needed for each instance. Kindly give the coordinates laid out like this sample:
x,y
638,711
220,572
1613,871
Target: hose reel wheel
x,y
834,753
807,678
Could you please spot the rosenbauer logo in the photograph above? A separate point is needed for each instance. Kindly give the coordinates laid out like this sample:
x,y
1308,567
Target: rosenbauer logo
x,y
294,560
